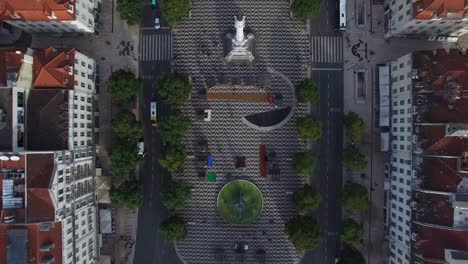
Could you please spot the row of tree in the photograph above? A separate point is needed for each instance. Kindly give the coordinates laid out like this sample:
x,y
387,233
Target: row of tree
x,y
131,11
123,87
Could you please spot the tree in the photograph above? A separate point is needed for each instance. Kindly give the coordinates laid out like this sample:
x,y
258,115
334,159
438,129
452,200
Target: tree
x,y
303,9
173,228
124,158
353,159
175,10
123,86
307,91
173,158
173,88
354,125
308,127
130,11
351,233
175,194
350,255
304,162
173,128
128,194
306,198
125,126
303,232
355,197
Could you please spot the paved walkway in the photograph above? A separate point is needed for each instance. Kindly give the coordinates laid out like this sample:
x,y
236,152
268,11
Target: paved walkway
x,y
378,52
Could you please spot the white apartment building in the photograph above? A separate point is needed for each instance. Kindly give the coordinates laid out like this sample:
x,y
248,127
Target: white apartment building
x,y
427,162
431,19
51,16
73,191
399,211
49,119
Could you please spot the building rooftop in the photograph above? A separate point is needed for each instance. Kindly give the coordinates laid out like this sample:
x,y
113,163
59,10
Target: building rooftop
x,y
431,242
440,174
32,243
53,68
37,10
47,122
10,64
439,79
433,209
39,173
439,9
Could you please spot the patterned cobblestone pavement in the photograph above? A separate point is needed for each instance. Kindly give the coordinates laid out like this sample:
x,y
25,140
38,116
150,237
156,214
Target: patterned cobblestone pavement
x,y
281,44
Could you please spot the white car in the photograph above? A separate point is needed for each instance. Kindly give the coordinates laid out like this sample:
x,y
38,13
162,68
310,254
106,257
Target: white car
x,y
157,23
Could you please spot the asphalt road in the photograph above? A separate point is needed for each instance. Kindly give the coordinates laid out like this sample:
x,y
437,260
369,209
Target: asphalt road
x,y
155,55
327,71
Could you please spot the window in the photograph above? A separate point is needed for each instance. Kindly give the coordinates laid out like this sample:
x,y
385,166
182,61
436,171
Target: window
x,y
82,74
83,84
90,66
83,64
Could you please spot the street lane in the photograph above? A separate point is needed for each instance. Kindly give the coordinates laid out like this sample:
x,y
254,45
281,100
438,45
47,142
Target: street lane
x,y
155,58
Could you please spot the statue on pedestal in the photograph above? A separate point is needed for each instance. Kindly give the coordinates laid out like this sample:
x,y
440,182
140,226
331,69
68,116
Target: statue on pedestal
x,y
239,48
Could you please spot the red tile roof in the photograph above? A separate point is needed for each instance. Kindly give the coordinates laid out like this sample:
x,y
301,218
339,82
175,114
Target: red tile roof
x,y
51,68
431,242
9,62
39,173
36,10
36,238
433,209
439,174
446,9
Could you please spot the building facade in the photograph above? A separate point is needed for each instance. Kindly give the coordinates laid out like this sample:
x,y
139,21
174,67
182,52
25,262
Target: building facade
x,y
47,100
51,16
427,179
421,18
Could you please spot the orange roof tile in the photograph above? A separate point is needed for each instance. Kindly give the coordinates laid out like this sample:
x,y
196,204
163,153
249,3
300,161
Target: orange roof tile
x,y
51,68
446,9
36,10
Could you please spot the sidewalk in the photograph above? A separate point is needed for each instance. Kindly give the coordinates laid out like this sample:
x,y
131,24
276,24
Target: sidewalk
x,y
379,52
115,48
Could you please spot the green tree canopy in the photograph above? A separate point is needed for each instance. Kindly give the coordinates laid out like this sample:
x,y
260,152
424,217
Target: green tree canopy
x,y
355,197
173,229
173,158
128,194
354,125
123,86
175,10
125,126
307,91
353,158
131,11
303,232
304,162
303,9
173,128
352,232
173,88
175,194
306,198
350,255
124,158
309,127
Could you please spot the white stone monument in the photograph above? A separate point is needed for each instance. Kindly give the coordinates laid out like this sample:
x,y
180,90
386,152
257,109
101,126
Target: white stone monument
x,y
240,47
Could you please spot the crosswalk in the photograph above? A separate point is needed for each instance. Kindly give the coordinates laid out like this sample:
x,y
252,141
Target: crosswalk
x,y
327,49
156,46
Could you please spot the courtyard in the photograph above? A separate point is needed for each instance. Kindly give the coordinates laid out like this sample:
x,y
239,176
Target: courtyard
x,y
281,57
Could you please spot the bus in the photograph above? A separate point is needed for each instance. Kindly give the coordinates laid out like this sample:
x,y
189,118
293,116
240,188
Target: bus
x,y
154,113
342,13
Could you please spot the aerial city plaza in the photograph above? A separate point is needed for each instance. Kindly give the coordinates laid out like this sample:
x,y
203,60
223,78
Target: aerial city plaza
x,y
233,131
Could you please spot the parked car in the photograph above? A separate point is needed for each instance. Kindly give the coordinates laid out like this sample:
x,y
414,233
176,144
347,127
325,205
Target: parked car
x,y
157,23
